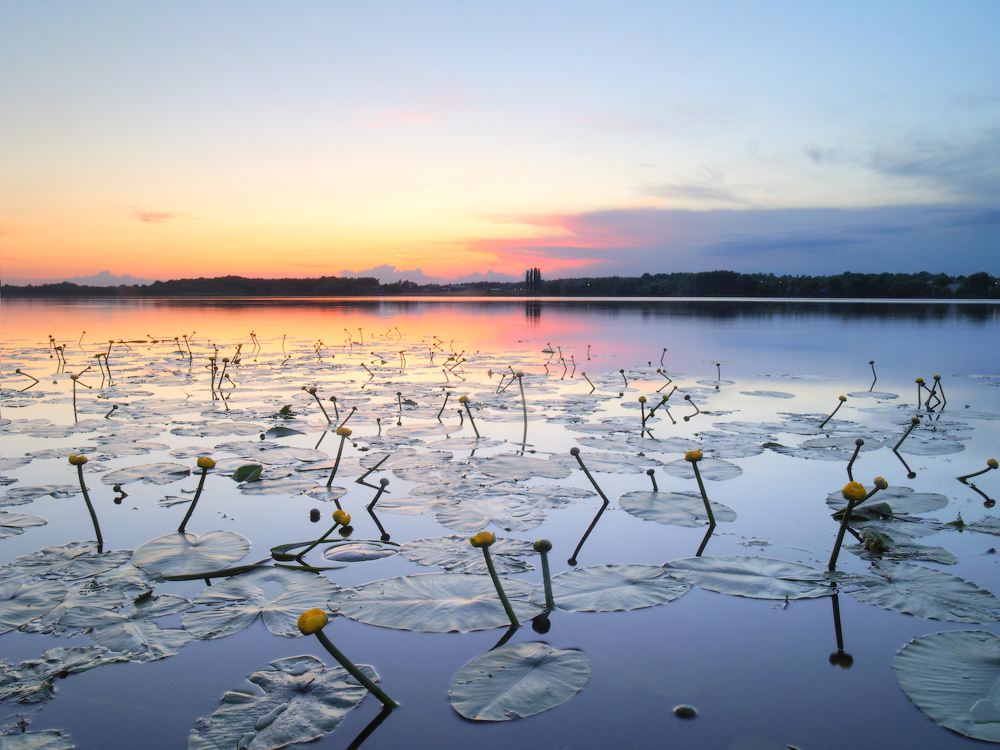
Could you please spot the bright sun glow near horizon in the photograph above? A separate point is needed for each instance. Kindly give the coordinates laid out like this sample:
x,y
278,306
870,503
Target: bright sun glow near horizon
x,y
435,141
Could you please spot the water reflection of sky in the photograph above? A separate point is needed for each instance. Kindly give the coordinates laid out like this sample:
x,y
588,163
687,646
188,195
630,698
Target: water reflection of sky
x,y
758,671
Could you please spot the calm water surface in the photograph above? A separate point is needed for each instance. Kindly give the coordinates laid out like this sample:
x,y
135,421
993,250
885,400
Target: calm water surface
x,y
758,671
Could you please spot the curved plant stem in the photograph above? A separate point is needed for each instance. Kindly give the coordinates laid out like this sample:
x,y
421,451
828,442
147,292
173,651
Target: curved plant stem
x,y
496,582
194,502
704,495
90,507
355,672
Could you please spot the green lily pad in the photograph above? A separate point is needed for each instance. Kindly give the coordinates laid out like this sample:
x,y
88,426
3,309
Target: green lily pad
x,y
302,700
512,682
952,677
434,603
612,588
902,500
754,577
47,739
32,681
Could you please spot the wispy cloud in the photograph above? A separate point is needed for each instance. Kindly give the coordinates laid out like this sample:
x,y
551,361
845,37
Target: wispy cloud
x,y
155,217
953,239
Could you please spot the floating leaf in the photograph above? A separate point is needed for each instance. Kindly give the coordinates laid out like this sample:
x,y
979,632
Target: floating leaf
x,y
248,473
187,554
454,554
22,600
902,500
952,677
350,551
434,603
13,524
32,681
925,592
754,577
612,588
47,739
228,607
674,508
478,513
521,467
158,473
715,469
302,700
512,682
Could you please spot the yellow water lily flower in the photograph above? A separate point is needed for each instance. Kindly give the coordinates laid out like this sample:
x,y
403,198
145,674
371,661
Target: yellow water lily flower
x,y
854,492
204,462
483,539
312,620
76,460
693,456
341,517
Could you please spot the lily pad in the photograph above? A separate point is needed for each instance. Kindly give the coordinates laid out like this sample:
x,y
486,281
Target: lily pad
x,y
158,473
952,677
754,577
512,682
302,700
612,588
929,593
674,508
434,603
902,500
22,600
47,739
715,469
13,524
187,554
228,607
454,554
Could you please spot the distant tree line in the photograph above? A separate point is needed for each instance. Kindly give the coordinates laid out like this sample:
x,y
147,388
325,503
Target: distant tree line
x,y
921,285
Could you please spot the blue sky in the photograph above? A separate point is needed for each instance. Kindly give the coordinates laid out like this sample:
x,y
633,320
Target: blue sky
x,y
446,140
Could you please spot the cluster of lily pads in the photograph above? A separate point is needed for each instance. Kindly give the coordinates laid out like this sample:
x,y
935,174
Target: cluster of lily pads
x,y
382,404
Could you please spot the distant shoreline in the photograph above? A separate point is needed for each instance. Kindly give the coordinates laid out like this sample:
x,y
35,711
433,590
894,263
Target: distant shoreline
x,y
724,284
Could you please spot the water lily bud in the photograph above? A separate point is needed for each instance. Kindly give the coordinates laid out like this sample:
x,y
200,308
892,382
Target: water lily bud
x,y
204,462
642,399
859,442
312,620
463,399
842,398
693,456
344,431
543,545
853,492
915,420
312,390
483,539
74,376
881,483
342,517
77,460
937,377
992,463
919,380
518,374
574,451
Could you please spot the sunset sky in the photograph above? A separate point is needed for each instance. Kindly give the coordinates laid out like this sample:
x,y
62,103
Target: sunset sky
x,y
448,140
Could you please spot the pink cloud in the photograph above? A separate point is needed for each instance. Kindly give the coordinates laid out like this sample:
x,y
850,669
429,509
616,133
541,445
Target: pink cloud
x,y
154,217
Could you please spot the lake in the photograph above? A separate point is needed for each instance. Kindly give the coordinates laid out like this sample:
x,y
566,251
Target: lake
x,y
750,384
